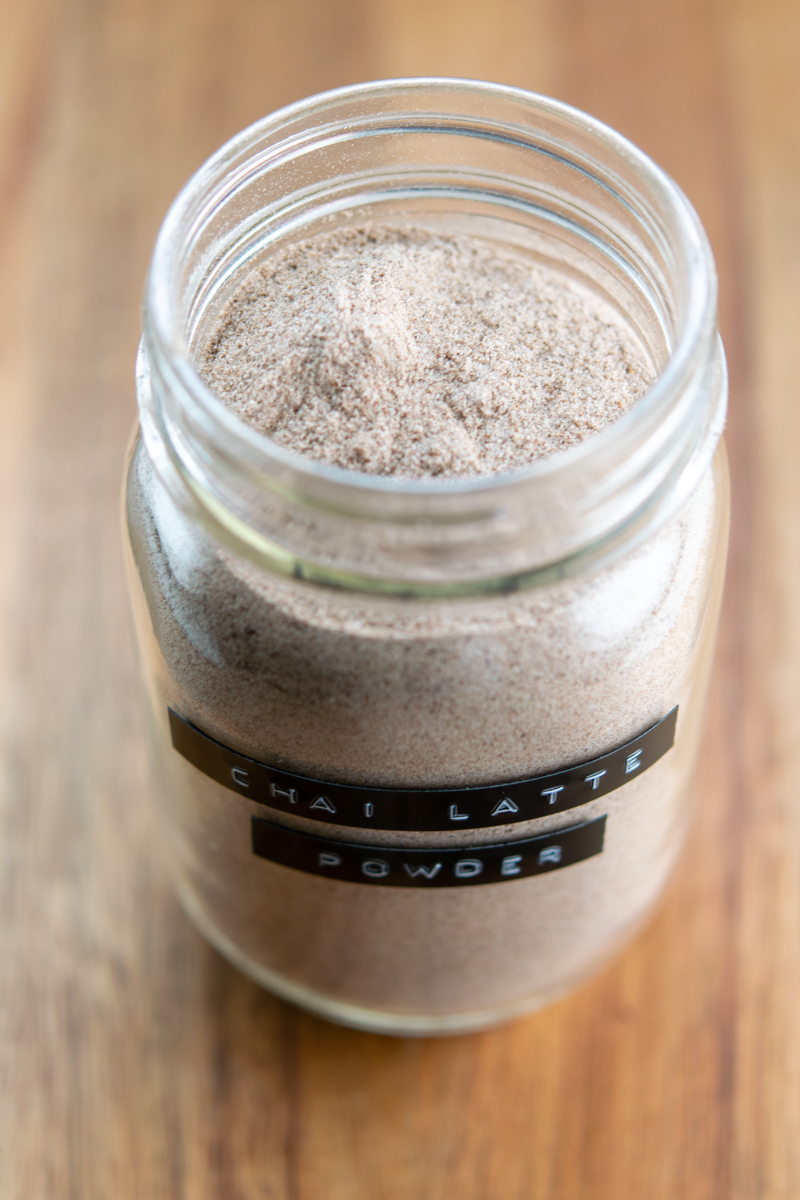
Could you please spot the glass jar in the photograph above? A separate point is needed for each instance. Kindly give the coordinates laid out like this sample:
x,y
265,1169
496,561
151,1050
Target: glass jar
x,y
422,747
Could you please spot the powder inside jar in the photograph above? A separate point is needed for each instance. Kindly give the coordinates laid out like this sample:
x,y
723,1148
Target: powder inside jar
x,y
407,353
413,354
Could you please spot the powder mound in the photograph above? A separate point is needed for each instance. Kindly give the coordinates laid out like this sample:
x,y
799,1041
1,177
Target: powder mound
x,y
405,352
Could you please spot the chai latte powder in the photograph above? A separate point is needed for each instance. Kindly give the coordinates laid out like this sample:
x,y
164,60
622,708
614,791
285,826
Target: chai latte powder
x,y
402,352
408,353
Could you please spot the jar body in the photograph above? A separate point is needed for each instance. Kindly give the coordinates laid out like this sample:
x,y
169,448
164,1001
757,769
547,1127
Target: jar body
x,y
422,747
414,694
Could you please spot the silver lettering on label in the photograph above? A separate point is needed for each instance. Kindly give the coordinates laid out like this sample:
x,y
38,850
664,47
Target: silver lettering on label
x,y
283,793
327,859
376,868
467,868
511,864
594,780
633,761
455,815
239,776
368,809
427,872
551,854
323,802
505,805
552,793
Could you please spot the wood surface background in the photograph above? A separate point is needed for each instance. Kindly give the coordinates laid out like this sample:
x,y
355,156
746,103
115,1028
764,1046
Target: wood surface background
x,y
134,1062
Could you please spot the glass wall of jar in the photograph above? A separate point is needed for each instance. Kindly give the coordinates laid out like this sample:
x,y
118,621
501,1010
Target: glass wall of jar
x,y
423,746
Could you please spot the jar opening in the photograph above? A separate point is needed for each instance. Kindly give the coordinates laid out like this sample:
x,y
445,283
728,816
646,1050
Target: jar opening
x,y
517,168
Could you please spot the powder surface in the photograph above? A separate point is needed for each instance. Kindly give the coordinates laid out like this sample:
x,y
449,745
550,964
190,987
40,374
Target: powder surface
x,y
408,353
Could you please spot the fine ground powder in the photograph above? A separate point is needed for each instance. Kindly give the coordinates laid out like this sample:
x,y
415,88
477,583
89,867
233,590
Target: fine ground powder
x,y
407,353
352,348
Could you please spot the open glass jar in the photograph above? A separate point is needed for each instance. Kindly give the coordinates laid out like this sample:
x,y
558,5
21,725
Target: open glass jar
x,y
422,747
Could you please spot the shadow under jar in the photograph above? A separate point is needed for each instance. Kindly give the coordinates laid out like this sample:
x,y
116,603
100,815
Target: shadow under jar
x,y
422,746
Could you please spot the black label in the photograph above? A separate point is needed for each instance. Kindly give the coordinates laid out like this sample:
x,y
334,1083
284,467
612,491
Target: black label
x,y
413,809
388,866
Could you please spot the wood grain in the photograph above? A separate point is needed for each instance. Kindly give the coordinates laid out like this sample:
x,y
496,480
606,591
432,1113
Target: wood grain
x,y
135,1063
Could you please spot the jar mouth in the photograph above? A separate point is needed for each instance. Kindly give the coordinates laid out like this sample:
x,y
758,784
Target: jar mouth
x,y
256,191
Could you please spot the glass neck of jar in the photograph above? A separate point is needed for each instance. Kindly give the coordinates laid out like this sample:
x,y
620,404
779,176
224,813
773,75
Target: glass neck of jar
x,y
628,230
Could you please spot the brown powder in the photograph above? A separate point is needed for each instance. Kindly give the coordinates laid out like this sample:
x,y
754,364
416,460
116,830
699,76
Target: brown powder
x,y
404,352
383,692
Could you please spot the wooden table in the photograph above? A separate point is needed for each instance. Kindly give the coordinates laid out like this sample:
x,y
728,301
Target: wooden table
x,y
134,1062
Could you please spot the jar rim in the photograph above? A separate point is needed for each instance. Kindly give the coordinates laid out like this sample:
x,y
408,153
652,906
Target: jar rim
x,y
167,346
